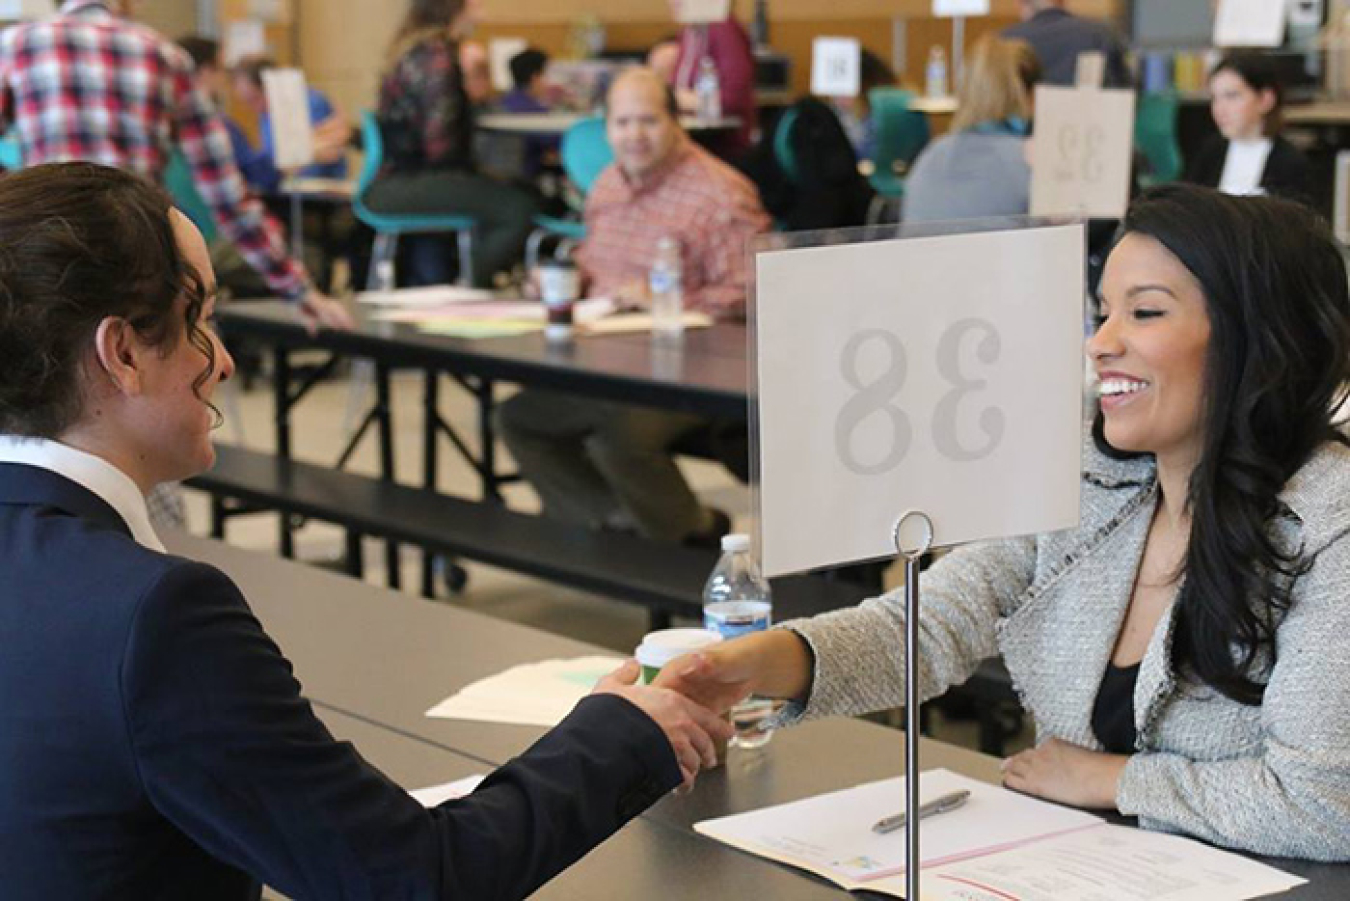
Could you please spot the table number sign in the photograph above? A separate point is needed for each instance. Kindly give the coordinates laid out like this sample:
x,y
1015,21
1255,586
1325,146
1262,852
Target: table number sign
x,y
952,8
697,12
288,108
1082,152
835,67
940,374
1250,23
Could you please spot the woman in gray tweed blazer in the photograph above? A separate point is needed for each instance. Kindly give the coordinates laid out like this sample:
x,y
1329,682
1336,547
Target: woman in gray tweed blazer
x,y
1183,651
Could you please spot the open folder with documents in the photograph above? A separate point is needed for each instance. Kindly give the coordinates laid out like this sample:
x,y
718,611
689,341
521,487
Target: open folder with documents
x,y
998,845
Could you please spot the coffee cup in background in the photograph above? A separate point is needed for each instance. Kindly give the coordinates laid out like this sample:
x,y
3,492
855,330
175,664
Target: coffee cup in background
x,y
559,287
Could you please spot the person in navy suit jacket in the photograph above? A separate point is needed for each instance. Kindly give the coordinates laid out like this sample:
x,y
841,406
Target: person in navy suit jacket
x,y
153,740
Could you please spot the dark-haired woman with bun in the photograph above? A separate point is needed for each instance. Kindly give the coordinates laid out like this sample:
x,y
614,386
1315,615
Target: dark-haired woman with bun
x,y
1183,651
1249,156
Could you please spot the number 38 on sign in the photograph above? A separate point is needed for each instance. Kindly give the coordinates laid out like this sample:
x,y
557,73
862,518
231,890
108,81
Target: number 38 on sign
x,y
942,374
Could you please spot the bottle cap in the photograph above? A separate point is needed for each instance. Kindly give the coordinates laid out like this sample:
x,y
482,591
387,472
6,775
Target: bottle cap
x,y
736,542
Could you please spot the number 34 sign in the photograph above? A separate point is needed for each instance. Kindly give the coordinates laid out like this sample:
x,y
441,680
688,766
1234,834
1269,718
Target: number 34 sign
x,y
942,374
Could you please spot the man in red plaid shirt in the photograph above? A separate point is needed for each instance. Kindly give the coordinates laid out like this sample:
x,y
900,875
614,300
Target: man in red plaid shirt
x,y
92,85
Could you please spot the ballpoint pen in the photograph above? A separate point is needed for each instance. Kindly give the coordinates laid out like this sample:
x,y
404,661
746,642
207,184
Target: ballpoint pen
x,y
947,802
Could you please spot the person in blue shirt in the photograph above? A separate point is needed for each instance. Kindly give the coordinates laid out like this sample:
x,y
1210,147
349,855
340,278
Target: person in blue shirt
x,y
530,94
332,132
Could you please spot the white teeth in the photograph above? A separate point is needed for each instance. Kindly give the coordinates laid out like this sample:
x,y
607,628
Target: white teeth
x,y
1114,387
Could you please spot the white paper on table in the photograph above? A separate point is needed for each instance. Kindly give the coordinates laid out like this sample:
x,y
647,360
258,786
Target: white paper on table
x,y
532,694
836,65
831,835
623,323
288,109
435,795
1106,863
1082,152
696,12
915,374
244,37
429,296
952,8
500,53
1249,23
584,312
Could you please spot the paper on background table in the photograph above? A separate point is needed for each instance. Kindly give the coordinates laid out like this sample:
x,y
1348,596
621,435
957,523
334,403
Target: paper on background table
x,y
475,329
831,835
433,795
492,310
432,295
532,694
623,323
1107,863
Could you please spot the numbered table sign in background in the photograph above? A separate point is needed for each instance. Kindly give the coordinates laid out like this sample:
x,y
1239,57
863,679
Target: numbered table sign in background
x,y
288,107
1082,152
942,374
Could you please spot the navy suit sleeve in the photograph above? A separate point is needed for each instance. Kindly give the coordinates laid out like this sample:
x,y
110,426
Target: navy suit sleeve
x,y
229,751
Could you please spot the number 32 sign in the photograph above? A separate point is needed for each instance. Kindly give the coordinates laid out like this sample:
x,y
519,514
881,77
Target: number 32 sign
x,y
942,374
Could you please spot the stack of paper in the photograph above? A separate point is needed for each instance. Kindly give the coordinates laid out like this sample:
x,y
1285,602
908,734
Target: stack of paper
x,y
430,296
533,694
998,845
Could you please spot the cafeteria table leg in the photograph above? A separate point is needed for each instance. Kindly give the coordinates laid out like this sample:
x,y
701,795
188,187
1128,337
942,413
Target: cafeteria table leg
x,y
385,421
281,395
431,412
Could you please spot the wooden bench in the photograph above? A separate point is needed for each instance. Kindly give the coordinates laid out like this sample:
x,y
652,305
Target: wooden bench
x,y
666,579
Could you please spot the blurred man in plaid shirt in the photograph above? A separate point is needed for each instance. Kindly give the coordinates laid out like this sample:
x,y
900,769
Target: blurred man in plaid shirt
x,y
90,84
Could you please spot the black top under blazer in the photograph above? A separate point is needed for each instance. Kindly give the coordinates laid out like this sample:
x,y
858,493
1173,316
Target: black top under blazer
x,y
154,744
1287,173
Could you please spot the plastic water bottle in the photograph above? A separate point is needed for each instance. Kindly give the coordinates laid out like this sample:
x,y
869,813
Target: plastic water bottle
x,y
708,91
737,601
667,291
935,76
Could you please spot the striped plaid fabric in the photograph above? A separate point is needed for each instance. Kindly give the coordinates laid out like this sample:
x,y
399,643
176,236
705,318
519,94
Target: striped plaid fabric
x,y
87,85
710,208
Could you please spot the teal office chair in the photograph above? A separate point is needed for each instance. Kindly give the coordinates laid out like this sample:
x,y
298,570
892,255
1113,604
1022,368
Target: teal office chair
x,y
901,135
389,227
1155,134
783,154
585,154
11,152
178,182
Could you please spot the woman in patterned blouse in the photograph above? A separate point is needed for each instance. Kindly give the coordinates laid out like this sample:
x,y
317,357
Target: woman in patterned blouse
x,y
427,124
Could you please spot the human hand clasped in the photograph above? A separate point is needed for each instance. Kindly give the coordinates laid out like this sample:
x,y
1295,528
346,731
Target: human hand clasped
x,y
1059,771
694,731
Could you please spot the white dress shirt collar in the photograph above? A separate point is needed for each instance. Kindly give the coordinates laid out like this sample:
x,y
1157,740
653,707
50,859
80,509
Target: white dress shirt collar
x,y
95,474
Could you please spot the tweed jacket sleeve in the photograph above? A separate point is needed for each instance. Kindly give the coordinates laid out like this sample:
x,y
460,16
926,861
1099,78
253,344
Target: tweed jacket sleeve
x,y
860,652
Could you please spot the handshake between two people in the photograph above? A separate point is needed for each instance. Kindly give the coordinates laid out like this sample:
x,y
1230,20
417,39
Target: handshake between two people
x,y
690,697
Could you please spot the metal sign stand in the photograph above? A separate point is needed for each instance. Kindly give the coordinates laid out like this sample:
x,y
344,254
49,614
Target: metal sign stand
x,y
958,54
912,556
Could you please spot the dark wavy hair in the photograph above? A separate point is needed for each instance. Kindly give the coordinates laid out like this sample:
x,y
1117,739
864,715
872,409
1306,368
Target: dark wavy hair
x,y
1260,73
79,243
1277,367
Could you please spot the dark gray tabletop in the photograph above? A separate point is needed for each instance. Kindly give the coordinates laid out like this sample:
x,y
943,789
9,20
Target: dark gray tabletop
x,y
705,373
364,653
